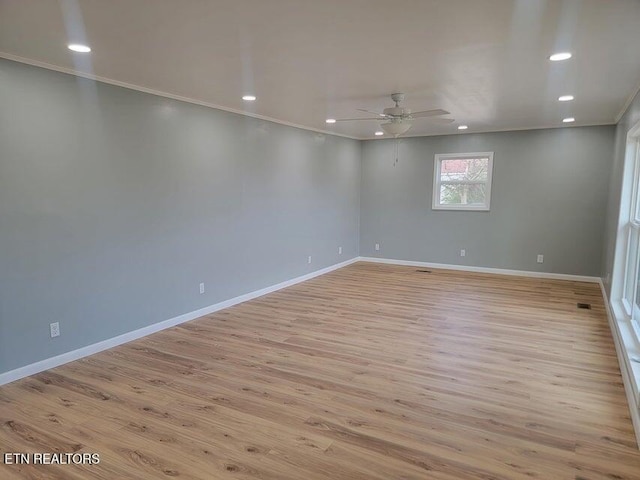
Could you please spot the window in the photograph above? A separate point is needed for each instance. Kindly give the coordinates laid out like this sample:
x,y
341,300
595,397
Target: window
x,y
462,181
625,282
631,290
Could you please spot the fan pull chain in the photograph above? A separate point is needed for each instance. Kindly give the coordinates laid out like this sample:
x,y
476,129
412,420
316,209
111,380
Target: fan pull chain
x,y
396,151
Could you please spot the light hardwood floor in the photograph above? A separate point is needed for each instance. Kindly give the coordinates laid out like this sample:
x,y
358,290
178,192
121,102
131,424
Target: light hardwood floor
x,y
372,372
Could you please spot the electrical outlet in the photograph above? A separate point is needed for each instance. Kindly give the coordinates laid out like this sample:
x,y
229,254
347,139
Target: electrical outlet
x,y
540,259
463,253
309,259
339,250
377,246
201,288
55,329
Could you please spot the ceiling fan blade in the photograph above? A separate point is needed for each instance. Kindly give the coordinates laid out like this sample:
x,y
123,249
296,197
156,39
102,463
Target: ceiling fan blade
x,y
381,115
429,113
442,121
354,119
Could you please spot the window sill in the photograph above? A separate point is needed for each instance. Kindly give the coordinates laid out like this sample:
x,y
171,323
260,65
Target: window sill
x,y
627,334
461,209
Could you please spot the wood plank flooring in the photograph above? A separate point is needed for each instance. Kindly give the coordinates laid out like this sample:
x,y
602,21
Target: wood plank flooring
x,y
371,372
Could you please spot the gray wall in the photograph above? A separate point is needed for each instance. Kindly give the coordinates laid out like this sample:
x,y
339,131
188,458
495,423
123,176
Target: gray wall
x,y
549,196
115,205
628,120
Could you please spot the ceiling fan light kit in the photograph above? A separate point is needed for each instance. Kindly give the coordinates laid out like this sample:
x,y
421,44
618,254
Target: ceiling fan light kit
x,y
396,127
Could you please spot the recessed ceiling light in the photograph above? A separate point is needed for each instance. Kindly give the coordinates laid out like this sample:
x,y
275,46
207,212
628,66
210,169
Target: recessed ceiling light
x,y
379,133
462,127
249,98
565,98
569,120
331,120
76,47
557,57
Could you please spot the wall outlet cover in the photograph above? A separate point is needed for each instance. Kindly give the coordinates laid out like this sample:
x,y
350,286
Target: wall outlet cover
x,y
55,329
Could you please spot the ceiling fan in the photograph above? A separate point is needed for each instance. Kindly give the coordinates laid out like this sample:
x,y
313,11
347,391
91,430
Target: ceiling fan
x,y
398,120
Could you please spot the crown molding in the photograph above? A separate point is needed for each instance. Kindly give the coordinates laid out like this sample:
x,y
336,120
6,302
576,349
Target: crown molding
x,y
627,104
180,98
159,93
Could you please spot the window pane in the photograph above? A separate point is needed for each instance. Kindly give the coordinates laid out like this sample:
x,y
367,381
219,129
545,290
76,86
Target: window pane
x,y
631,269
636,307
463,194
635,238
464,169
636,213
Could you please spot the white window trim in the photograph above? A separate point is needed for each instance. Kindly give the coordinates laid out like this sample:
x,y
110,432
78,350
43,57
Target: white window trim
x,y
436,205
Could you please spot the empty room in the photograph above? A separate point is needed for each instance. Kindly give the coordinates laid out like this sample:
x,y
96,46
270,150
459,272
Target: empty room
x,y
320,239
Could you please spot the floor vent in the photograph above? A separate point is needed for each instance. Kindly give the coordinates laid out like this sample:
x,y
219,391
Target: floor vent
x,y
586,306
423,271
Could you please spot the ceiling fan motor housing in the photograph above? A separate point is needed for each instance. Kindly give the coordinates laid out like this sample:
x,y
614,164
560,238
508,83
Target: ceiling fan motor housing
x,y
397,111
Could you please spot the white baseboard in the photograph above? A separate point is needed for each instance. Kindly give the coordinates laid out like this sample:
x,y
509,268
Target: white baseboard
x,y
469,268
67,357
634,408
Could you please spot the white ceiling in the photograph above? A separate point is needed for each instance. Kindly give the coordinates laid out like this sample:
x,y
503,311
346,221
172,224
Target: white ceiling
x,y
485,61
